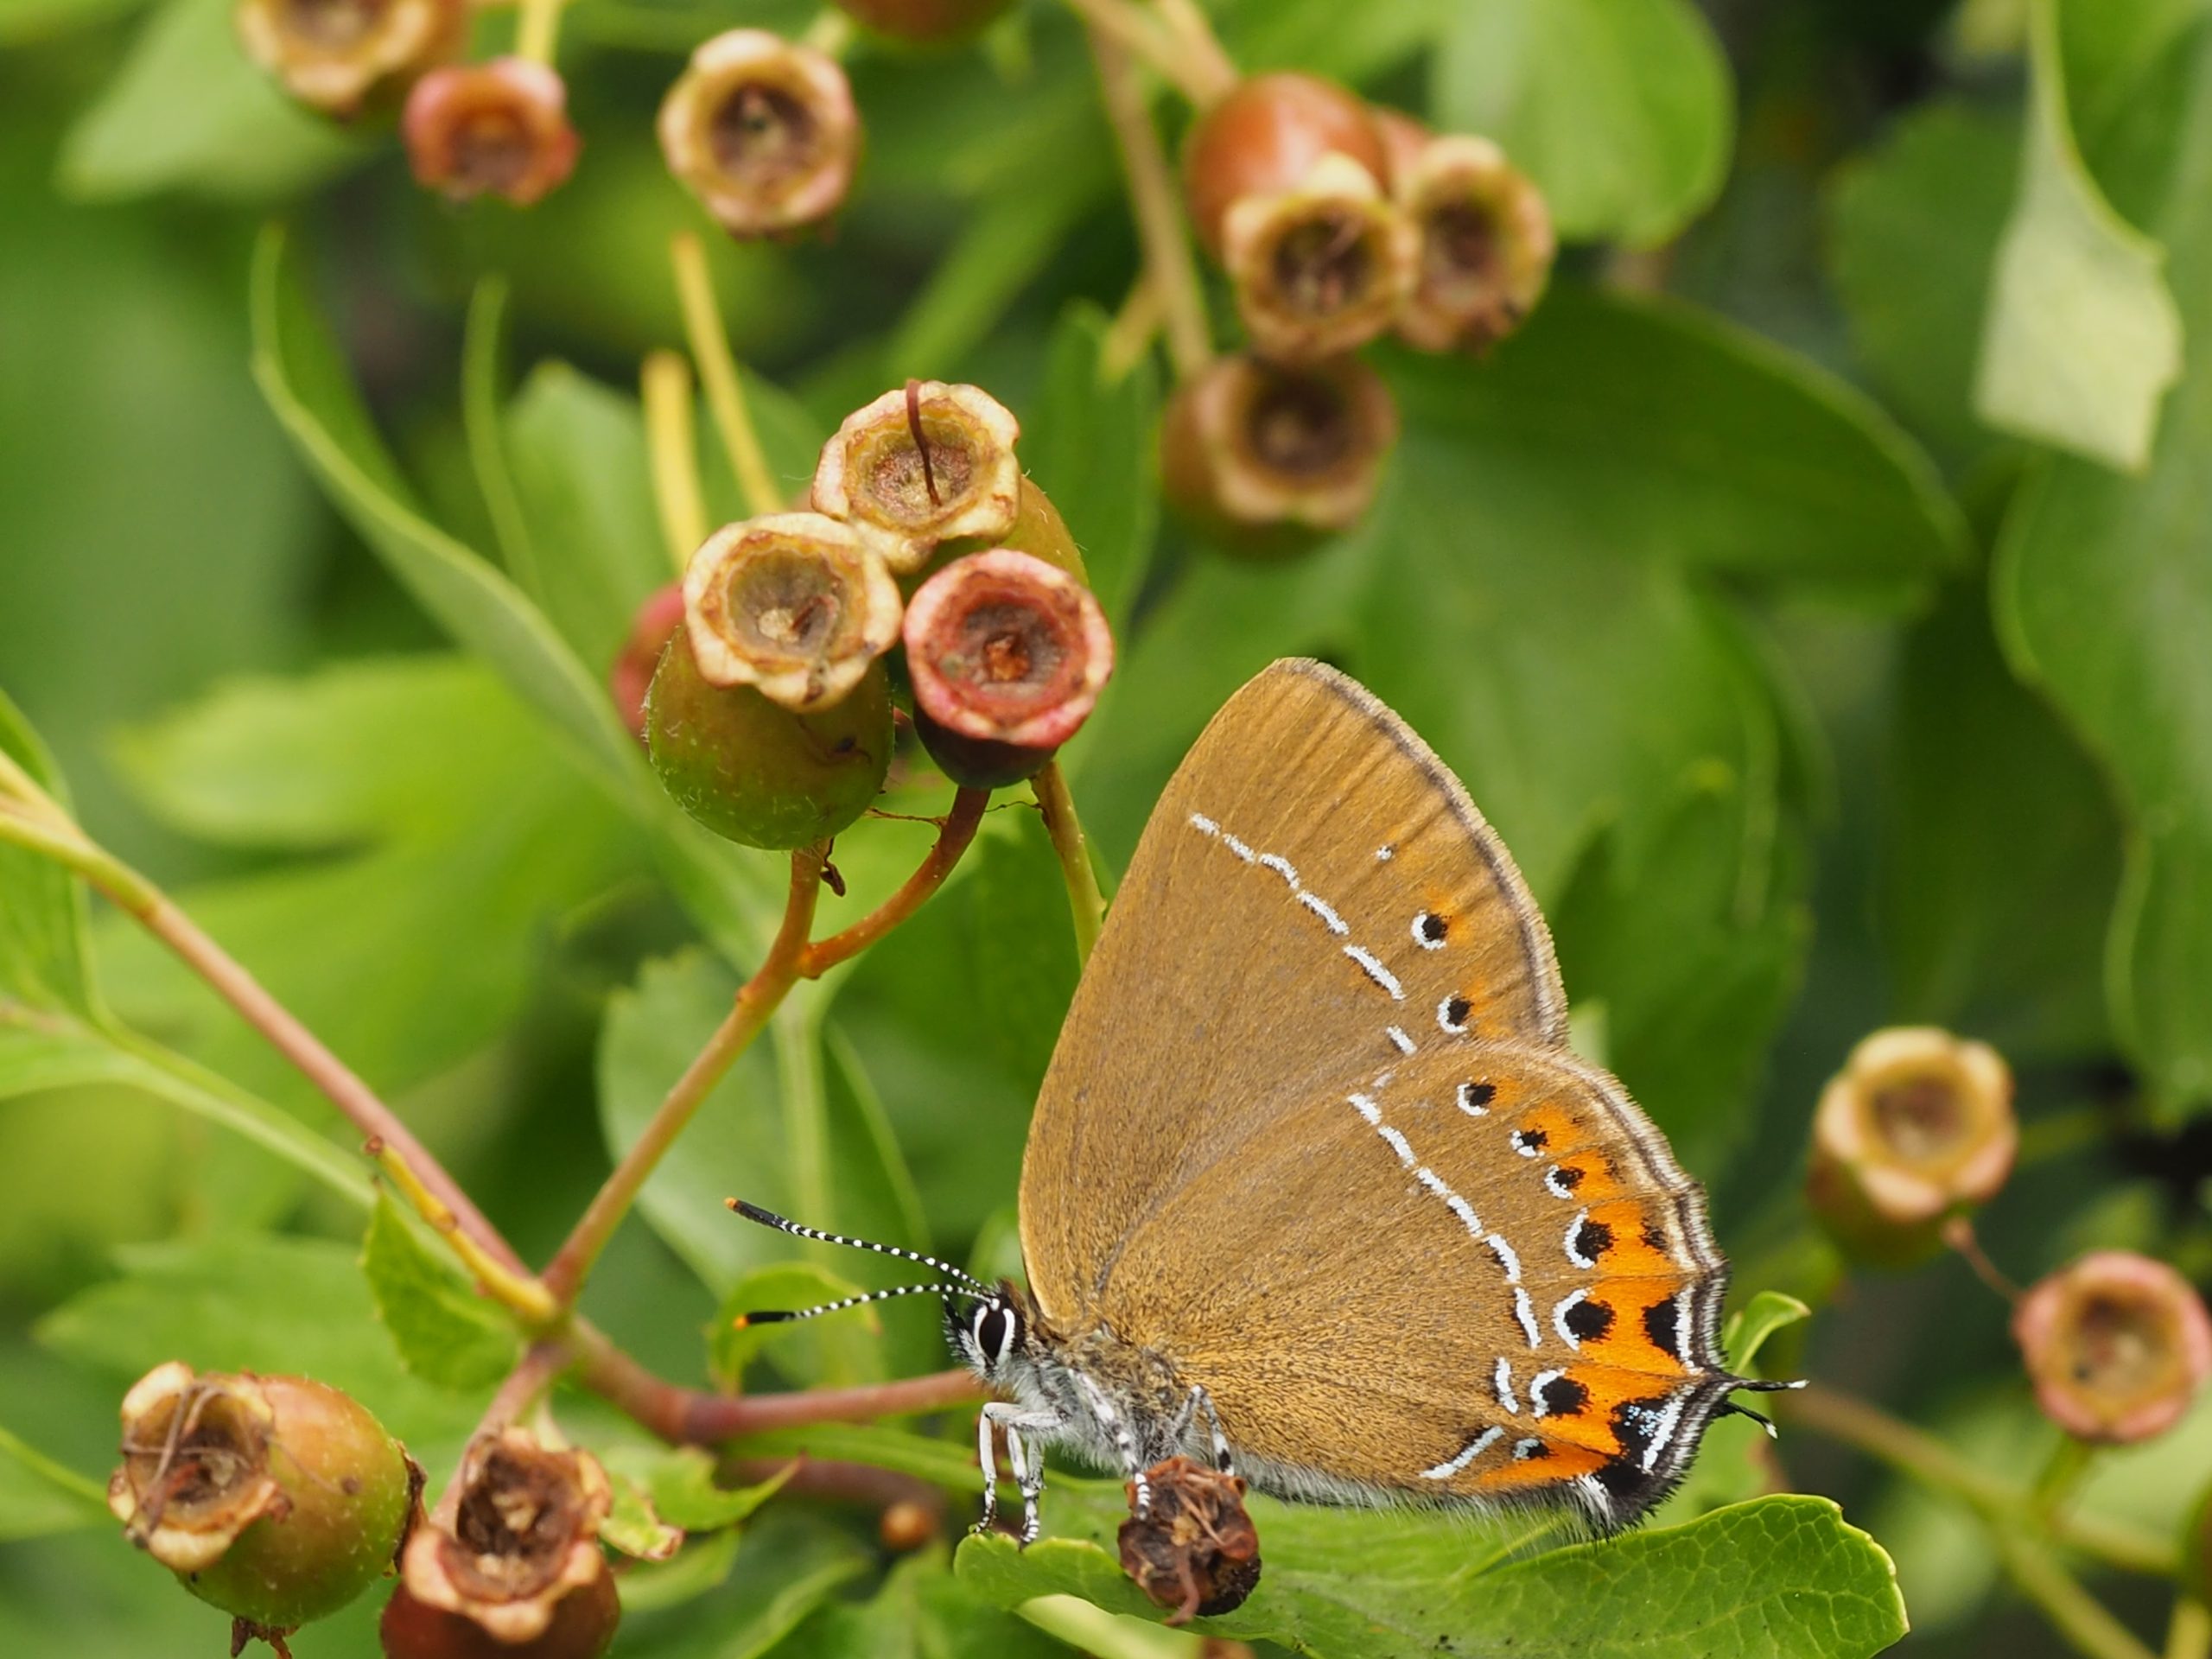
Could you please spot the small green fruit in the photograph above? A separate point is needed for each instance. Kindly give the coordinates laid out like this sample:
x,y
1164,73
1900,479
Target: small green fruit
x,y
757,773
275,1498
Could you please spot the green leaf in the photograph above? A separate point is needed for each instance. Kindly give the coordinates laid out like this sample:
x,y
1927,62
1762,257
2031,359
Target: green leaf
x,y
586,496
1915,226
1783,1577
680,1483
306,382
1090,445
243,1304
1749,1326
445,1330
42,955
188,112
632,1527
1999,848
301,373
2082,338
2103,594
1621,110
23,22
438,810
777,1117
39,1496
837,1351
793,1563
702,1565
921,1611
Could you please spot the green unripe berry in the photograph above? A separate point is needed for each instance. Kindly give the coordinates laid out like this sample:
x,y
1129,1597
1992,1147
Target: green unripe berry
x,y
755,772
275,1498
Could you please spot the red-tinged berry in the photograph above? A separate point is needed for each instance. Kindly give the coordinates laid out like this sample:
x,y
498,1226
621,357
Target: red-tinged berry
x,y
497,129
2117,1345
508,1550
1266,459
924,22
929,464
276,1499
1917,1127
582,1627
632,675
1320,267
763,131
1266,137
754,772
1403,140
1485,245
1008,655
1195,1549
907,1526
792,603
339,55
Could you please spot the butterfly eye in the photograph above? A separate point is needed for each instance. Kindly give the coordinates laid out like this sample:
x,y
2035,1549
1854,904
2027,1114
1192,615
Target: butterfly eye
x,y
995,1330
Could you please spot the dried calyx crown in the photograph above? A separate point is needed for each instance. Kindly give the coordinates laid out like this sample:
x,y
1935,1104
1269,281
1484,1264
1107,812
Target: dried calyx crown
x,y
958,1282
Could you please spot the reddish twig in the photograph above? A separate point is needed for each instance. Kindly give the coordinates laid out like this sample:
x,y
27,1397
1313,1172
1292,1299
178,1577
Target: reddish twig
x,y
955,831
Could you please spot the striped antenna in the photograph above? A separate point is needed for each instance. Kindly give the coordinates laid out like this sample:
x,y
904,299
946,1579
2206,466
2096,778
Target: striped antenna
x,y
968,1282
783,1317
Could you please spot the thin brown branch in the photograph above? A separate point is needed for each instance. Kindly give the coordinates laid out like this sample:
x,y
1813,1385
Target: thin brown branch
x,y
1153,198
1195,39
836,1481
691,1417
955,831
756,1001
1143,36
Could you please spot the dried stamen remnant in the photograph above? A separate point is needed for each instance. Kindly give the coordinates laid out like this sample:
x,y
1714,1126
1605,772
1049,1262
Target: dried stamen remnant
x,y
763,131
928,464
792,603
339,54
1195,1550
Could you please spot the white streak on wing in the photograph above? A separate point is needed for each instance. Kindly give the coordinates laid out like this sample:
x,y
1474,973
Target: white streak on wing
x,y
1367,1109
1320,907
1541,1381
1525,1311
1397,1145
1376,971
1240,848
1468,1453
1508,1258
1664,1431
1397,1035
1552,1184
1504,1379
1282,867
1572,1228
1558,1317
1205,825
1465,1211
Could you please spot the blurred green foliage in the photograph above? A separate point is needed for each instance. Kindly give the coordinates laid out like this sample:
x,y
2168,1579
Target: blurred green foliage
x,y
1817,594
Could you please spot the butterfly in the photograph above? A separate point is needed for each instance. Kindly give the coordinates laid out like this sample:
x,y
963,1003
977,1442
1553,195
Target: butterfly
x,y
1316,1187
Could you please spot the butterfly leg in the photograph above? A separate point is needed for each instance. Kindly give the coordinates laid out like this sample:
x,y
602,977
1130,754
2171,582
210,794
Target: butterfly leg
x,y
1222,1459
1124,1443
1028,1475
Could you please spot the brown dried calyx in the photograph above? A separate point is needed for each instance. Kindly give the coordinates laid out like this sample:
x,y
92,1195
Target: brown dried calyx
x,y
763,131
196,1469
1322,266
1251,447
1486,243
338,54
516,1537
492,129
925,465
792,603
1196,1551
2117,1345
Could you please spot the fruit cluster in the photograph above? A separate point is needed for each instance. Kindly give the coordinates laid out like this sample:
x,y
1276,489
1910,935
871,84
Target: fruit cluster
x,y
929,576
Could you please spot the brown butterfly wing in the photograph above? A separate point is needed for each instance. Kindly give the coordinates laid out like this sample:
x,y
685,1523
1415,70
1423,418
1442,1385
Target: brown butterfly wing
x,y
1476,1274
1278,1140
1231,982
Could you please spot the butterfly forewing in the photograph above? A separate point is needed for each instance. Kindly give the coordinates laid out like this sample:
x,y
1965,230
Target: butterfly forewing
x,y
1312,1133
1311,866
